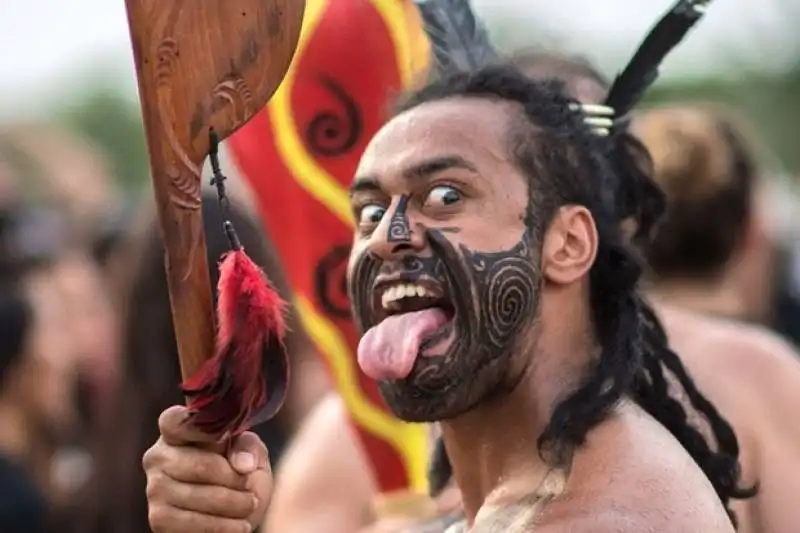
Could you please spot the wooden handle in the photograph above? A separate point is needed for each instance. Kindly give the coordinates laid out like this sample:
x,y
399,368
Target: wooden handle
x,y
201,64
185,257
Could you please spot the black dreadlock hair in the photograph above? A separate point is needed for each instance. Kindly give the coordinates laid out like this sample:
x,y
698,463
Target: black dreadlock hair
x,y
460,42
638,198
635,355
554,140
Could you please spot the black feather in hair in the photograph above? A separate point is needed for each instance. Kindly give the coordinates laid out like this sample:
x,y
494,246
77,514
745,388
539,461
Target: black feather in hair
x,y
459,40
642,70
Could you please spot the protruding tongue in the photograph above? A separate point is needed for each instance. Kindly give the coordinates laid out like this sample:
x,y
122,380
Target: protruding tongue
x,y
388,350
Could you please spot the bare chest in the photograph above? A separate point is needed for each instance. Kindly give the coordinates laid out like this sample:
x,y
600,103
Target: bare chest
x,y
521,516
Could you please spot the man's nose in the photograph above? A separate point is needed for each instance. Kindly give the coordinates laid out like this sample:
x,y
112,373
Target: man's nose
x,y
396,235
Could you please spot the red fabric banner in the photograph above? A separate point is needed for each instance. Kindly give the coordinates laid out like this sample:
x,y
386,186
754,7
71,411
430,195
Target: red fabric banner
x,y
299,155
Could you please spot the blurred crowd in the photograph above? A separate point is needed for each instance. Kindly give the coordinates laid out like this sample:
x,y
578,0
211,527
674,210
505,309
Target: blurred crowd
x,y
88,356
83,287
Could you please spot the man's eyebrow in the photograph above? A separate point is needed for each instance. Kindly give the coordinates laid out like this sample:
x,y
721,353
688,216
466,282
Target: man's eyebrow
x,y
364,184
429,167
421,170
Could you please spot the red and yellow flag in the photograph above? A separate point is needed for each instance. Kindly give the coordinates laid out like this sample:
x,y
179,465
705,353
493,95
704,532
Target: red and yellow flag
x,y
299,155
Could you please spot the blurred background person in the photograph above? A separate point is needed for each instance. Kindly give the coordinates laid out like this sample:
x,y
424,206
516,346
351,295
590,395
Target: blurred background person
x,y
54,172
58,196
149,375
716,250
711,268
23,505
38,416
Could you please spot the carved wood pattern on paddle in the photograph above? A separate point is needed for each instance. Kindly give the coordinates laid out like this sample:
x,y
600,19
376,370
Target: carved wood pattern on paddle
x,y
201,64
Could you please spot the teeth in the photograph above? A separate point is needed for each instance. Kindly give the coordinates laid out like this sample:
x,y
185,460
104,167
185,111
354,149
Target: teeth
x,y
394,294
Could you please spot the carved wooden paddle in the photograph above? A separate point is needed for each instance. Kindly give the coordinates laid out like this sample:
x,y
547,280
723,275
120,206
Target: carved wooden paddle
x,y
201,65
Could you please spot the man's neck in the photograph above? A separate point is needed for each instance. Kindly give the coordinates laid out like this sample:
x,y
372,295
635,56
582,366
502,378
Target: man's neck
x,y
493,448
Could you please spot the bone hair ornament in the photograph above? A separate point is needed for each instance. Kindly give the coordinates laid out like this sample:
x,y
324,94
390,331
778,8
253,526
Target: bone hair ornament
x,y
642,70
600,118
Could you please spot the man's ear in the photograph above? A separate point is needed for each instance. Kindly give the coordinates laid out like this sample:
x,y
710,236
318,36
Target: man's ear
x,y
570,245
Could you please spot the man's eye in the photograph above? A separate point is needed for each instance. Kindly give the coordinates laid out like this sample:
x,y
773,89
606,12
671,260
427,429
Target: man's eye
x,y
442,195
371,214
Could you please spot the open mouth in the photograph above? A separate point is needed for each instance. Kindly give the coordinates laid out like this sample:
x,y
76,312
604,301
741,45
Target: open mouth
x,y
407,320
400,297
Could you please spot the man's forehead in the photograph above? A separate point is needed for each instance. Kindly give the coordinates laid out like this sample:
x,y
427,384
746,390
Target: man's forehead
x,y
470,128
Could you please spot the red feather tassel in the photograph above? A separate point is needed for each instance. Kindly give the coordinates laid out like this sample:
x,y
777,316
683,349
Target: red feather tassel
x,y
245,382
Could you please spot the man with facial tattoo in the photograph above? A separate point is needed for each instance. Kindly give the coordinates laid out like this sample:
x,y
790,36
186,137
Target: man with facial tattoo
x,y
749,373
497,296
306,469
702,454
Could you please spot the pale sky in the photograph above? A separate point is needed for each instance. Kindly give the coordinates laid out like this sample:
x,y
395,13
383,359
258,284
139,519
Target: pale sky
x,y
48,45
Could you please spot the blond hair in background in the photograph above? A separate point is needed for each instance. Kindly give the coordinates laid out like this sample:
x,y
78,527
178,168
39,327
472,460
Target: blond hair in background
x,y
707,166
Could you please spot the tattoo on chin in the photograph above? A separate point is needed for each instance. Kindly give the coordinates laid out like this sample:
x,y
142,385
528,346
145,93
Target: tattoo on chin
x,y
494,296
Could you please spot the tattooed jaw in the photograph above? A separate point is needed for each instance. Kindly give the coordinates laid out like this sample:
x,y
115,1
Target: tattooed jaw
x,y
439,331
405,312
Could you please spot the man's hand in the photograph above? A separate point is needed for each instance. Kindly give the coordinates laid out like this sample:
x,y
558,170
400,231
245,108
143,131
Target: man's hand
x,y
193,490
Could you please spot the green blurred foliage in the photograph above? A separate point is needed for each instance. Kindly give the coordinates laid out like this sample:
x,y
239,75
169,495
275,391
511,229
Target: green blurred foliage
x,y
109,119
771,104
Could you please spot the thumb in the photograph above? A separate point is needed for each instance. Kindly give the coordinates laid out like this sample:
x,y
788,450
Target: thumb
x,y
247,453
175,426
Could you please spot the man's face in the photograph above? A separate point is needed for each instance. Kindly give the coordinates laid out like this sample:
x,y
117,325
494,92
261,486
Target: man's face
x,y
444,274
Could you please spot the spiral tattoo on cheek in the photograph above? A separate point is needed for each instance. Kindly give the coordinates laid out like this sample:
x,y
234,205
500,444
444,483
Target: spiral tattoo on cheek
x,y
494,296
503,287
399,228
508,287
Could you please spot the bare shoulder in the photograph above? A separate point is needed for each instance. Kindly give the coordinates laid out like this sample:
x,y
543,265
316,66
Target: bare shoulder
x,y
721,340
620,518
327,442
759,365
632,476
323,457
